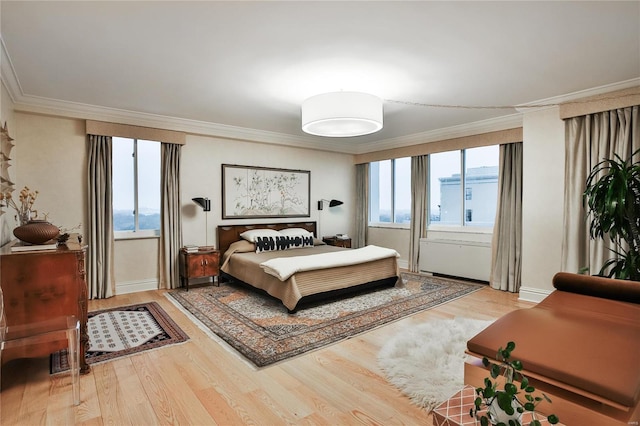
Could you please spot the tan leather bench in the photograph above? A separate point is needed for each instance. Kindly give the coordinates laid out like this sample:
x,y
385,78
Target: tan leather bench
x,y
581,346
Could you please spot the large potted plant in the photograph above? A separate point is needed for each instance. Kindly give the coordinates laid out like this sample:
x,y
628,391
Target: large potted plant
x,y
612,196
504,404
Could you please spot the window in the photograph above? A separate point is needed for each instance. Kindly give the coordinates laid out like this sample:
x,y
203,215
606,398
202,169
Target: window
x,y
444,188
136,187
477,168
481,177
390,195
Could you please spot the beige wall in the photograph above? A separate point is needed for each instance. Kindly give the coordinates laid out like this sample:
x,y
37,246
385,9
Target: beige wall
x,y
543,202
332,177
395,238
7,222
543,197
50,156
51,152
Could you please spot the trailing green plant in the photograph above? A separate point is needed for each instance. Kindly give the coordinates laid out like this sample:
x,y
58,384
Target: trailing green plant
x,y
508,394
612,196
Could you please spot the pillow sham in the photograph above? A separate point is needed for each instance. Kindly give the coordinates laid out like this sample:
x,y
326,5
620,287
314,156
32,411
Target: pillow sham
x,y
282,242
295,232
251,234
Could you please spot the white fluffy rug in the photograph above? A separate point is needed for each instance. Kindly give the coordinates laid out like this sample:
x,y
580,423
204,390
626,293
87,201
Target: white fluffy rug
x,y
426,362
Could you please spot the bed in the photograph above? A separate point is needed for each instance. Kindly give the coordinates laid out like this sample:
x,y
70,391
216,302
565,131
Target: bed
x,y
241,263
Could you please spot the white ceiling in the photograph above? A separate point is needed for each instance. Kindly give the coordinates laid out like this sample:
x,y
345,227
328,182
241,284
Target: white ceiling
x,y
249,65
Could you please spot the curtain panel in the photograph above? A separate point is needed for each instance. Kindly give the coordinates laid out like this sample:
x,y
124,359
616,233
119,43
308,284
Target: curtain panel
x,y
590,139
362,206
100,275
506,243
170,217
419,203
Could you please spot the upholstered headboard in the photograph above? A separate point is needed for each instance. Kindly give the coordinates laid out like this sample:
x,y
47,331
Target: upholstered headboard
x,y
229,234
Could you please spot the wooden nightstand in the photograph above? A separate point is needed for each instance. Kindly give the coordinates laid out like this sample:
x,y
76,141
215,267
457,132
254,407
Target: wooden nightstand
x,y
338,242
201,264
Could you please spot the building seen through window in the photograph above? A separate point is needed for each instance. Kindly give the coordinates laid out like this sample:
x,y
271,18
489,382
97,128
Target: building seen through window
x,y
462,188
477,168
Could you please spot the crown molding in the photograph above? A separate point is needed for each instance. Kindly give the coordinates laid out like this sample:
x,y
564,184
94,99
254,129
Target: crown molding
x,y
46,106
8,74
468,129
555,101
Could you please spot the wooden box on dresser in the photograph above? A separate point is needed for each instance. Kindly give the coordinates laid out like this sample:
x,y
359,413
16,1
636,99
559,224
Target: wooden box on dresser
x,y
39,285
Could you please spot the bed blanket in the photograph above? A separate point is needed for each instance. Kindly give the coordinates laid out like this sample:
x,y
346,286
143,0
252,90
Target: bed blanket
x,y
284,267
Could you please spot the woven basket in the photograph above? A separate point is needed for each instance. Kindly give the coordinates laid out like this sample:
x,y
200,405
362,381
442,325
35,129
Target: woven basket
x,y
36,232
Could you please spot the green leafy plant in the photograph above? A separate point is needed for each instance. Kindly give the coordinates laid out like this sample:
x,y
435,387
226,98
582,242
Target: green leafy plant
x,y
507,397
612,196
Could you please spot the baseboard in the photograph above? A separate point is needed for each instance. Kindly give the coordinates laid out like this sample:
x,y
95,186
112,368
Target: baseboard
x,y
403,264
532,294
136,286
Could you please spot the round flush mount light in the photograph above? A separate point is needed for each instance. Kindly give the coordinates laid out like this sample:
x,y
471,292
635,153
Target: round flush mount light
x,y
342,114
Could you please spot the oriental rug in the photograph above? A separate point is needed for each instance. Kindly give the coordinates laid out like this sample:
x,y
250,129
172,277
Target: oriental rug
x,y
125,330
259,328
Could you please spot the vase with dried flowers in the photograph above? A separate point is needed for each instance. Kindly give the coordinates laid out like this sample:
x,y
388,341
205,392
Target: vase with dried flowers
x,y
24,207
30,230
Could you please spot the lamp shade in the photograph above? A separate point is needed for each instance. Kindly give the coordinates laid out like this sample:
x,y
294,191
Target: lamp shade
x,y
342,114
205,203
332,203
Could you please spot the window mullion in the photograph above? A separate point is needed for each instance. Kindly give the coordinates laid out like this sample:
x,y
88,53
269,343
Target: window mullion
x,y
393,191
463,179
135,186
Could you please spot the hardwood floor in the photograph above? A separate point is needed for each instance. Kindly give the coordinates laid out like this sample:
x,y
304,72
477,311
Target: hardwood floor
x,y
201,382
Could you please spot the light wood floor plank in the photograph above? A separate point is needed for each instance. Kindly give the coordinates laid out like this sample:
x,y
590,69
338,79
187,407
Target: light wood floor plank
x,y
203,382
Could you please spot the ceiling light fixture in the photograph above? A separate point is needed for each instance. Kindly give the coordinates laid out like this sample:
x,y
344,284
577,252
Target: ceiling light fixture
x,y
342,114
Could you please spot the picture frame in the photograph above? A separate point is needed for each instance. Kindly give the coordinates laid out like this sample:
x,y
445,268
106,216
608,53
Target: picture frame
x,y
265,192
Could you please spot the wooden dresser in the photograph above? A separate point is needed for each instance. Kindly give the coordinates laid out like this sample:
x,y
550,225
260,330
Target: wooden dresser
x,y
39,285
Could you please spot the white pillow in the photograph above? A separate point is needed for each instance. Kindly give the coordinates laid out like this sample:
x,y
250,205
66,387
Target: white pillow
x,y
295,232
251,234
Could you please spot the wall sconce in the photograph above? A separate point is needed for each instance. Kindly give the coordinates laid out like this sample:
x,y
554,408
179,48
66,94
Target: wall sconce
x,y
205,203
332,203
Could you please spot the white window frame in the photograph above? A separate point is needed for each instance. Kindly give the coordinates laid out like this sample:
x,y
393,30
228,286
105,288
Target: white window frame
x,y
393,223
136,233
462,228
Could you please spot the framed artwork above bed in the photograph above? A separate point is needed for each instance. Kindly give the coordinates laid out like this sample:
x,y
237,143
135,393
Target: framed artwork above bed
x,y
260,192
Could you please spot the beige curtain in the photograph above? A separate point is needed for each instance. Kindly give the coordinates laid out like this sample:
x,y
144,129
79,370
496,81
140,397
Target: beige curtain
x,y
507,231
100,276
590,139
419,203
362,205
170,217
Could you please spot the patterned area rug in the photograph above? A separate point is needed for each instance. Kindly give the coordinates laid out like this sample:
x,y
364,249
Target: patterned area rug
x,y
122,331
259,327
